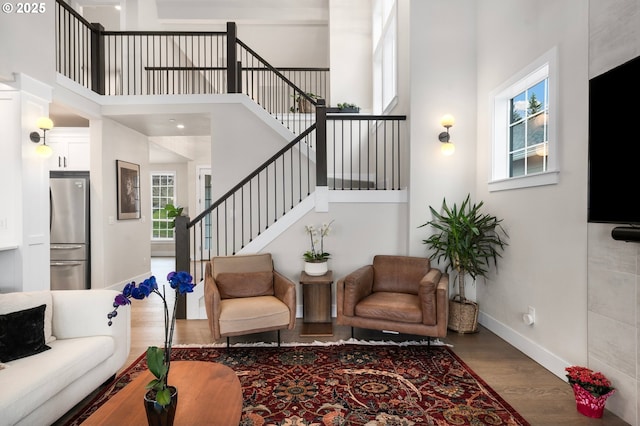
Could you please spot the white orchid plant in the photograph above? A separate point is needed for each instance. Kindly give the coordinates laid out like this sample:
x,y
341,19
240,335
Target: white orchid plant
x,y
316,235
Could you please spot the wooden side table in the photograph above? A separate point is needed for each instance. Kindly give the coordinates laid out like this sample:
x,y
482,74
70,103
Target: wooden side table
x,y
316,304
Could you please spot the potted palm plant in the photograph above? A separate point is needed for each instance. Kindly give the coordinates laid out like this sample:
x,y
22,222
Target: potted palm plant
x,y
467,240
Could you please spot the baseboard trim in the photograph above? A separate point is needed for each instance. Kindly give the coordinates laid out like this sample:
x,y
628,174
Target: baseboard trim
x,y
542,356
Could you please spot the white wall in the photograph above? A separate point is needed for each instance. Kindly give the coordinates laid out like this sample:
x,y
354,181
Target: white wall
x,y
544,265
240,143
284,37
360,231
105,15
28,43
294,45
442,70
350,49
120,248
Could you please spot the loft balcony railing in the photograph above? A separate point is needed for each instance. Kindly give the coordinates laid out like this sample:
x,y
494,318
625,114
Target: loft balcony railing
x,y
365,152
165,62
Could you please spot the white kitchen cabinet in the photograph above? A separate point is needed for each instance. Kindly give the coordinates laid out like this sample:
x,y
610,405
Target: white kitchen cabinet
x,y
70,148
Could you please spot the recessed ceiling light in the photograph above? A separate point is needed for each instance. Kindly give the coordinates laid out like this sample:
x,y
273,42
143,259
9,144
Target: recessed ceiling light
x,y
118,7
180,126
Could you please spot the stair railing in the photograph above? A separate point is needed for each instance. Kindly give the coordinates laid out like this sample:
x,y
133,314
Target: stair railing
x,y
250,207
278,95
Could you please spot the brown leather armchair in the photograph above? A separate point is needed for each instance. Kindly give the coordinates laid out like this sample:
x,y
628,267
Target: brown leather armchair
x,y
395,293
245,295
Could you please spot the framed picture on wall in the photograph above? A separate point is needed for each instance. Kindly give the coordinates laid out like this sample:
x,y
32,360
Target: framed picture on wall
x,y
128,188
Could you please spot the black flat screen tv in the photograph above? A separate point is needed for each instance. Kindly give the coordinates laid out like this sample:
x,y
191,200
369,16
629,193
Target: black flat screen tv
x,y
614,145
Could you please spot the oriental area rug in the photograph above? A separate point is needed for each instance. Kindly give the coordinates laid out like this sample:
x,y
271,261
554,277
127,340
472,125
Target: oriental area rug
x,y
346,384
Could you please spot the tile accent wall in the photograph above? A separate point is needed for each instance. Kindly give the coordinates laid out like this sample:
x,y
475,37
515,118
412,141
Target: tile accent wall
x,y
614,317
613,266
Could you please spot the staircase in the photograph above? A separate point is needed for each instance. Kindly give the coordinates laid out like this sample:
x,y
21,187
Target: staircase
x,y
328,149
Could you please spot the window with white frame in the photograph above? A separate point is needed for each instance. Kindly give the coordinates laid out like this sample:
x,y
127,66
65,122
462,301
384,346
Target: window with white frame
x,y
524,142
385,55
162,193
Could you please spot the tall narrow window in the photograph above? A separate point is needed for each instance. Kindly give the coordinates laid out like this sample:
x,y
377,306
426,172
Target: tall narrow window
x,y
524,137
528,136
385,55
163,193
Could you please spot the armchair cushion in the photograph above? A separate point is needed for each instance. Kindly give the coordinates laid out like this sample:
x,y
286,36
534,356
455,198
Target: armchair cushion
x,y
252,313
244,284
402,307
399,274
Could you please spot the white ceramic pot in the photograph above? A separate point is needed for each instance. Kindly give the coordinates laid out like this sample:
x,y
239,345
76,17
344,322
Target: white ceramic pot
x,y
316,269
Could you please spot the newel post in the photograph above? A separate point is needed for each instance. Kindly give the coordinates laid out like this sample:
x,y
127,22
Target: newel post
x,y
232,75
321,143
97,59
182,259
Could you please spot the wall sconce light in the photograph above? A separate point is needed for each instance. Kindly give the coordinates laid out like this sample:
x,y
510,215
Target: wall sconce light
x,y
447,147
44,124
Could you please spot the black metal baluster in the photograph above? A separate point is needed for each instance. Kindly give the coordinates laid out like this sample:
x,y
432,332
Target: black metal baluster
x,y
241,218
360,177
369,152
251,210
384,153
233,224
258,204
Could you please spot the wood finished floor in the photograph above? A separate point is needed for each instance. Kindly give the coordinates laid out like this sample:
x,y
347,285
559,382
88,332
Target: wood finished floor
x,y
538,395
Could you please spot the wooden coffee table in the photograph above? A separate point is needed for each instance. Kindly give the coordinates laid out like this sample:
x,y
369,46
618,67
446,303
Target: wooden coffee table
x,y
208,393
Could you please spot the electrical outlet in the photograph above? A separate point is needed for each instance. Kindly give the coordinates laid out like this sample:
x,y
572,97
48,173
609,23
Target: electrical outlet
x,y
532,312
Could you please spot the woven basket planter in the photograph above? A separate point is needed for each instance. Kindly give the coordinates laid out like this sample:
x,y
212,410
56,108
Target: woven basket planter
x,y
463,315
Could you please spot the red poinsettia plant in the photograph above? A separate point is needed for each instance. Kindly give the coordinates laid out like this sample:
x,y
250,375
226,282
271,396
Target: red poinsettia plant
x,y
593,382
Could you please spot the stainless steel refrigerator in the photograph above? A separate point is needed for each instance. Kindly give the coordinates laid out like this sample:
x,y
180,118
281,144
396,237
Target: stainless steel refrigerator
x,y
69,223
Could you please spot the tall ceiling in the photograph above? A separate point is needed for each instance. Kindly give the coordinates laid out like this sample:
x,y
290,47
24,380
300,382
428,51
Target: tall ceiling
x,y
213,11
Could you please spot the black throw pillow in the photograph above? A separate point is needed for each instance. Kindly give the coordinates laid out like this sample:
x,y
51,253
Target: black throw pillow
x,y
22,334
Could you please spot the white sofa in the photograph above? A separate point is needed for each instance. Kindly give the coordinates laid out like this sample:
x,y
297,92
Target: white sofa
x,y
85,352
